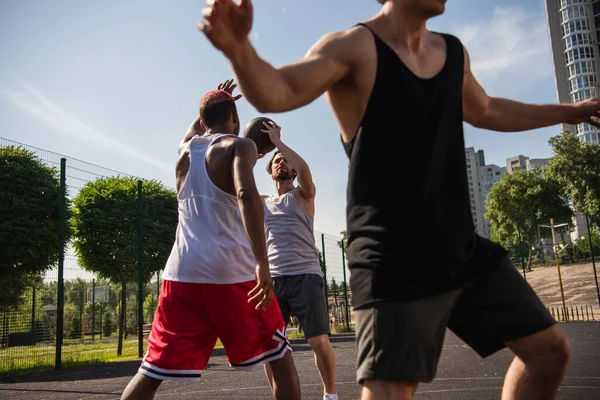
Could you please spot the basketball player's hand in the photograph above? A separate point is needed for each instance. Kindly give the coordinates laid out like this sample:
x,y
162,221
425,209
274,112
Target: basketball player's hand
x,y
263,291
273,130
228,86
586,111
226,24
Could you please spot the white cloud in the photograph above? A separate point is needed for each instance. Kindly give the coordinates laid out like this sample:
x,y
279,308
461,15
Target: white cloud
x,y
33,101
511,48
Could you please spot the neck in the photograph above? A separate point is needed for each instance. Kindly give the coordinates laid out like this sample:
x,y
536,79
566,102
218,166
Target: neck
x,y
282,187
404,25
218,129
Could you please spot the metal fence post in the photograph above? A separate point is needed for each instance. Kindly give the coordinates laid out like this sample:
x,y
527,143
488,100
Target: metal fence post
x,y
324,267
346,306
521,252
140,251
587,222
93,308
60,301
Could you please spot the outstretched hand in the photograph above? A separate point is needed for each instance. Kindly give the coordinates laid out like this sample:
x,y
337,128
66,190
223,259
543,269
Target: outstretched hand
x,y
228,86
273,130
586,111
226,24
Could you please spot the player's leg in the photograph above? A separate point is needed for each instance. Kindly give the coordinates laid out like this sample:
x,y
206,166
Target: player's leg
x,y
308,304
180,342
399,345
500,309
279,283
252,338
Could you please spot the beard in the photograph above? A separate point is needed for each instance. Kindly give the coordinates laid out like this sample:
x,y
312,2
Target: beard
x,y
283,175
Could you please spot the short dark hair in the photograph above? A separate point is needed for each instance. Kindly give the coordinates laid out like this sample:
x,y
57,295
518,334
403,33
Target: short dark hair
x,y
216,107
270,165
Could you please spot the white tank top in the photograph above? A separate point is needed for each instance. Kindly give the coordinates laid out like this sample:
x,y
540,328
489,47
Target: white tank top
x,y
211,244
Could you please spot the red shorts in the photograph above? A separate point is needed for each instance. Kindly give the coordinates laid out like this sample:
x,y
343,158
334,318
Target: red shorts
x,y
191,316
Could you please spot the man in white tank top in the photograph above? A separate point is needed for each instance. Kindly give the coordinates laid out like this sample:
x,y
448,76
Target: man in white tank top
x,y
216,282
293,256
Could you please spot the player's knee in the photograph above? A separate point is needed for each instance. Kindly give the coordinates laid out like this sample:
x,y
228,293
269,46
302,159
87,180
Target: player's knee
x,y
552,359
320,344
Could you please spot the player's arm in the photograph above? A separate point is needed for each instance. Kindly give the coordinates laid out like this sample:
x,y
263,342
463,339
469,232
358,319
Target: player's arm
x,y
493,113
306,186
251,208
271,89
195,128
250,203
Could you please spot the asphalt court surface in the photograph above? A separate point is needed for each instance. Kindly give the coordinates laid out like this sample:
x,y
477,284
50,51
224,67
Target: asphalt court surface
x,y
462,375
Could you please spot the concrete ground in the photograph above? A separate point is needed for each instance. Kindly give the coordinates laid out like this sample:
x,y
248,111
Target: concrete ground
x,y
462,375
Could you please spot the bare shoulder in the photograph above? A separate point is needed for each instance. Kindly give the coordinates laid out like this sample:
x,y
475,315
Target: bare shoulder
x,y
242,145
342,44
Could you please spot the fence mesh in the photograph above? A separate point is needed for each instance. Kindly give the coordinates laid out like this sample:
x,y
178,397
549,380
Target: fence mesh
x,y
82,248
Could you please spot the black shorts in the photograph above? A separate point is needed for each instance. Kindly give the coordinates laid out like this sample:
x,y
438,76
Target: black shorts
x,y
402,341
303,296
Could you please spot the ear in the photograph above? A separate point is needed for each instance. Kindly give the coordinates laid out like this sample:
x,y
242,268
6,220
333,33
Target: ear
x,y
235,118
204,128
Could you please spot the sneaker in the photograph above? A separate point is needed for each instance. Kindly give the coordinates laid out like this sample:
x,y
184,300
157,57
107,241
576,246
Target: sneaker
x,y
330,397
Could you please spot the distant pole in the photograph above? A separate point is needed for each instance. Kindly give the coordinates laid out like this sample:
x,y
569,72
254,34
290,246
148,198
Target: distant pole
x,y
93,308
587,221
562,292
140,272
346,306
60,301
324,266
521,252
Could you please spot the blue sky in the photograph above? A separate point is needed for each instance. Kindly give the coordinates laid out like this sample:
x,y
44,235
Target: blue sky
x,y
116,83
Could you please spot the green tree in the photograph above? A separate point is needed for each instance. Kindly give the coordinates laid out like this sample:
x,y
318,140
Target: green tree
x,y
150,304
519,203
105,222
582,246
576,167
108,325
30,199
334,286
344,243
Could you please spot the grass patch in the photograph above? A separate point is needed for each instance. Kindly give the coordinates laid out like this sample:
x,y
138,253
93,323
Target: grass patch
x,y
30,359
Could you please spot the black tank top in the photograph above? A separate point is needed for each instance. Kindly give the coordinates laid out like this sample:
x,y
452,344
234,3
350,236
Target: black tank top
x,y
410,229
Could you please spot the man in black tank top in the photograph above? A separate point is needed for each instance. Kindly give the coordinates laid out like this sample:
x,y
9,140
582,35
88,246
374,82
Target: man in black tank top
x,y
399,91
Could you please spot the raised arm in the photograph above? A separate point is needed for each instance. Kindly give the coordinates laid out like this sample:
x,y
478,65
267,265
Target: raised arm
x,y
493,113
195,128
267,88
251,208
306,186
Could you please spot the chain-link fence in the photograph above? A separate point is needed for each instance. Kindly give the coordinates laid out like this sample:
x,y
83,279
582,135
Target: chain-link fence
x,y
82,248
336,274
81,251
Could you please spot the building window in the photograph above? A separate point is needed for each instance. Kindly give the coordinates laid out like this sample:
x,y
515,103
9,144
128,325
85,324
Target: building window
x,y
582,67
578,25
580,53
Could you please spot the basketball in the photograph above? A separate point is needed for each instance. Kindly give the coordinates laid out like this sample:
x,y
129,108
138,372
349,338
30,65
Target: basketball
x,y
253,130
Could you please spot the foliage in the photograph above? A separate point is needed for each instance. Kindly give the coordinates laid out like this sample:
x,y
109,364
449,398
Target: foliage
x,y
106,221
519,203
576,167
30,197
150,304
343,244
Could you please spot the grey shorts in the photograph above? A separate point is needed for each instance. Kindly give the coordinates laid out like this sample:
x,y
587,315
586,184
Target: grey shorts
x,y
303,296
402,341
